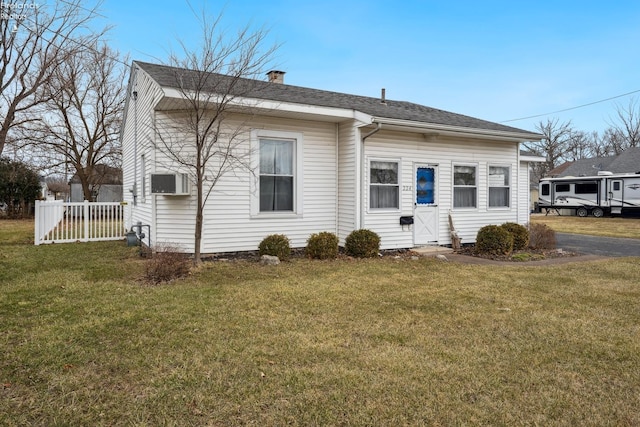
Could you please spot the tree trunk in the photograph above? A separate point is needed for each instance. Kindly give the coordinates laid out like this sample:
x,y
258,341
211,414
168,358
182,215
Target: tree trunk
x,y
199,217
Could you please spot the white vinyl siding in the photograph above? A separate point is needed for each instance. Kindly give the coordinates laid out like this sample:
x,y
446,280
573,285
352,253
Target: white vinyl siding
x,y
524,193
143,178
232,219
138,131
445,152
348,183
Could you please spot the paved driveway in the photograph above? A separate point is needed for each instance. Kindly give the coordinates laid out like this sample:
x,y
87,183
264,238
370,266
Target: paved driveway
x,y
604,246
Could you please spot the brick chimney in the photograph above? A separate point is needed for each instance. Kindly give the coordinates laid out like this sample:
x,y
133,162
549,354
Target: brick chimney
x,y
276,76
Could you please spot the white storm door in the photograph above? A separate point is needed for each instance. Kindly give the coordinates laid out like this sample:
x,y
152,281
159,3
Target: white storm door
x,y
425,213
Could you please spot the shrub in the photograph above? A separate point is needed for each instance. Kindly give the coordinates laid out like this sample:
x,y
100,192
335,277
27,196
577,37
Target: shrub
x,y
494,240
362,243
165,265
322,245
275,245
541,236
519,233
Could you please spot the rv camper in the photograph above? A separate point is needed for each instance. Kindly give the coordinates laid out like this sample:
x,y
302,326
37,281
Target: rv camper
x,y
604,194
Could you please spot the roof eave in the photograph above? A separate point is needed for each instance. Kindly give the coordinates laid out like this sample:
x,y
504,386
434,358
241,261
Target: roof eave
x,y
272,107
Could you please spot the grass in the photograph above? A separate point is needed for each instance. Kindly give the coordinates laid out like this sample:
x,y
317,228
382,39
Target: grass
x,y
605,227
347,342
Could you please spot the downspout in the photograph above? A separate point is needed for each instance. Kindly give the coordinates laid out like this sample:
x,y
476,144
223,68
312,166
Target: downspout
x,y
376,130
362,169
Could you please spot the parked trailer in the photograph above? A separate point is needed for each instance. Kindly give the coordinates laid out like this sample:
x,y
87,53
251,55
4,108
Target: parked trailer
x,y
603,194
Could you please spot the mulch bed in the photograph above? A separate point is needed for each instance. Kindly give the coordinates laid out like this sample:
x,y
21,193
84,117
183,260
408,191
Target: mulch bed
x,y
519,256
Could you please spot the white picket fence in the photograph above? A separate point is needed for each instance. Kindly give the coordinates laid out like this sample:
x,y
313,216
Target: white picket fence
x,y
64,222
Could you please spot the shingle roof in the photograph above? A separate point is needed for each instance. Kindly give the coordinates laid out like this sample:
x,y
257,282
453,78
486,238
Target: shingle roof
x,y
626,162
167,76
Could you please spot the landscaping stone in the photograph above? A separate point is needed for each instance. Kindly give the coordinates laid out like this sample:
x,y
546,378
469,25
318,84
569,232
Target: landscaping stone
x,y
269,260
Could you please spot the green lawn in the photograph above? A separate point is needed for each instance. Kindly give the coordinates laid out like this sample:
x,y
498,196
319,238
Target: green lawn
x,y
349,342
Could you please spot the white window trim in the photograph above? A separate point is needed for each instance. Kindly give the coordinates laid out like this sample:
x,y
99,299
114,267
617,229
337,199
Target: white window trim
x,y
368,185
298,191
489,186
453,186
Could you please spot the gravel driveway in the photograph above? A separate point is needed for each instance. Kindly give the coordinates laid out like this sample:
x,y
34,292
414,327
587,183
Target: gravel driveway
x,y
603,246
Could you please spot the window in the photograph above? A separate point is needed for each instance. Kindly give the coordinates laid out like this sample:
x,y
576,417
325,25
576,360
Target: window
x,y
384,188
616,186
276,159
587,188
563,188
546,190
499,189
276,175
464,187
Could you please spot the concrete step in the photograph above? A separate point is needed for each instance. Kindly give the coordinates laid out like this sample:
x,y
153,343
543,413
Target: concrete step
x,y
432,250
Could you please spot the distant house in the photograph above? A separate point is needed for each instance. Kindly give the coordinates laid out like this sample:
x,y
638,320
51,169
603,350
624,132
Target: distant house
x,y
57,190
627,161
326,161
106,185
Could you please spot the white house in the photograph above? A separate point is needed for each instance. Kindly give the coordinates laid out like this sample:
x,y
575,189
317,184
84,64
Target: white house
x,y
326,161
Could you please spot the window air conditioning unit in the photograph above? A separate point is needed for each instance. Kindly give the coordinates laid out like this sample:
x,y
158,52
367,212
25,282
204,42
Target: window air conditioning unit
x,y
170,184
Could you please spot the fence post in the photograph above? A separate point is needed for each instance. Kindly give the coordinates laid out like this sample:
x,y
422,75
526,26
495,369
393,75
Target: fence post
x,y
86,218
36,234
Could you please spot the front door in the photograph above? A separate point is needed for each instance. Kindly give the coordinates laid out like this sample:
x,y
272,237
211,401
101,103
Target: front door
x,y
425,214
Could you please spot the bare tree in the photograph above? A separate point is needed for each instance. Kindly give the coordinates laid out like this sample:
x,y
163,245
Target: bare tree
x,y
81,128
625,130
556,144
579,146
599,145
214,82
35,41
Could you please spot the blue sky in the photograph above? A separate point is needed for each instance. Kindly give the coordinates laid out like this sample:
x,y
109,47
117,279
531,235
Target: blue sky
x,y
496,60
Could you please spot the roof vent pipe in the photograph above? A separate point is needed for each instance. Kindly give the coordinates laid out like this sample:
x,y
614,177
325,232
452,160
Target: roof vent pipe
x,y
276,76
383,99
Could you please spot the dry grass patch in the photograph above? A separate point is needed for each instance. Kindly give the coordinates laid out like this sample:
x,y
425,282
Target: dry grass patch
x,y
606,227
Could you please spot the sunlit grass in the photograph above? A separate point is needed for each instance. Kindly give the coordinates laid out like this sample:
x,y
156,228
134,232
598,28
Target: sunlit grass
x,y
347,342
606,227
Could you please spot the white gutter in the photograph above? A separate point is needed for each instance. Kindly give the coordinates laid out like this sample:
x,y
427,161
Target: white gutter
x,y
448,130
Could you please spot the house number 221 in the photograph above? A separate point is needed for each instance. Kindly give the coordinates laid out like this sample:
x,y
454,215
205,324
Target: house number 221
x,y
406,188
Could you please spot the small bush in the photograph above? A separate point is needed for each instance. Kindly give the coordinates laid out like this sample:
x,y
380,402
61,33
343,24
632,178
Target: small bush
x,y
519,233
322,245
275,245
494,240
165,265
541,236
362,243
